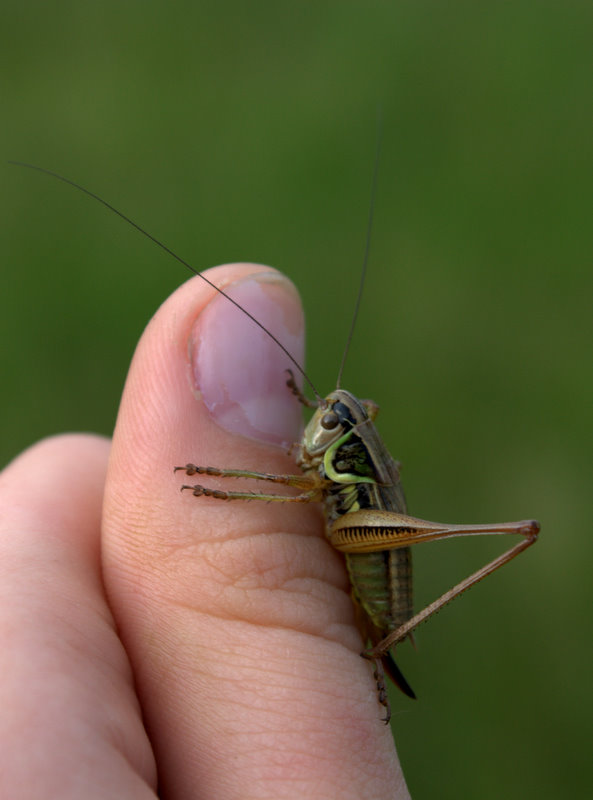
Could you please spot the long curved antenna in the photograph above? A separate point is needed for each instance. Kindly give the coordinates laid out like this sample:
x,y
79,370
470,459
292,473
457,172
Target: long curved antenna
x,y
175,256
367,248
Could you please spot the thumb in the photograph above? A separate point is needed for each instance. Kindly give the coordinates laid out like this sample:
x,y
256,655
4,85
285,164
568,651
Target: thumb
x,y
235,616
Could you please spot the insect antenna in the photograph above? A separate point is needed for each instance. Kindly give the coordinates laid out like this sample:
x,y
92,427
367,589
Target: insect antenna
x,y
367,248
175,256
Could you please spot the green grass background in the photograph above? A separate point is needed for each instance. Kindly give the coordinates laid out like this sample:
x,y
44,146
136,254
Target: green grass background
x,y
245,131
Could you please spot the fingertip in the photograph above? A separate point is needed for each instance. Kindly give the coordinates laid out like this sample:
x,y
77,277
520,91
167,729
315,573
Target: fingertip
x,y
208,386
238,366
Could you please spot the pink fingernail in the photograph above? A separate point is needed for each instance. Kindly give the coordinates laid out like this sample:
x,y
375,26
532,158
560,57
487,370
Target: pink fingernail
x,y
239,370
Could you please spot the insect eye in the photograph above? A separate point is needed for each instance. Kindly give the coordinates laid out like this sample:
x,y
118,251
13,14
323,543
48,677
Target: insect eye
x,y
330,421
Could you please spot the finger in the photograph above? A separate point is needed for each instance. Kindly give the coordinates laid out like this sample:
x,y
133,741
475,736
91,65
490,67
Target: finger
x,y
70,725
236,616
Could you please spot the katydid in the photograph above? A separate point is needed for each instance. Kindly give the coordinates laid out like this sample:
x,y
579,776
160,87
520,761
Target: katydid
x,y
346,467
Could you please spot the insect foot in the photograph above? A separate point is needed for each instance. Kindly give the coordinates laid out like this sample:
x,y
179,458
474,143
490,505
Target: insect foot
x,y
203,491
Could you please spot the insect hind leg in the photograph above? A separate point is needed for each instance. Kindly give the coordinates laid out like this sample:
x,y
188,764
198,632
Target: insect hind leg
x,y
382,696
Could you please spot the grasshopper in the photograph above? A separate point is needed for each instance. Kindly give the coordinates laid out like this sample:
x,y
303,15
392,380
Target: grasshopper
x,y
346,467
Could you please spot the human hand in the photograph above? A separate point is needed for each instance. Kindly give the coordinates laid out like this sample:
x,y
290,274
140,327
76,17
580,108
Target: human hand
x,y
157,643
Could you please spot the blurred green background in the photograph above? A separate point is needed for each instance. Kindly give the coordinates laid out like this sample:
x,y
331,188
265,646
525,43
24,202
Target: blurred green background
x,y
246,131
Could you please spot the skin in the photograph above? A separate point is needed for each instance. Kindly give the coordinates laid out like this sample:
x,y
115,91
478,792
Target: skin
x,y
157,644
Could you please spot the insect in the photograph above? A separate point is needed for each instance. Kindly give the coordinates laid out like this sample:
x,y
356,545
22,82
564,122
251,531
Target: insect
x,y
346,467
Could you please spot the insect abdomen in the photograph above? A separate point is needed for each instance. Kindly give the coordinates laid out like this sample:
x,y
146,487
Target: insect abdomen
x,y
382,585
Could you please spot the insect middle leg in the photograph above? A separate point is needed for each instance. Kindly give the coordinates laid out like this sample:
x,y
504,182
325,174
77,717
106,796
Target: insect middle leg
x,y
312,487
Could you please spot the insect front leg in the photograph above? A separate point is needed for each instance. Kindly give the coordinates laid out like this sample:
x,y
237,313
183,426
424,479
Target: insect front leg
x,y
292,385
312,486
